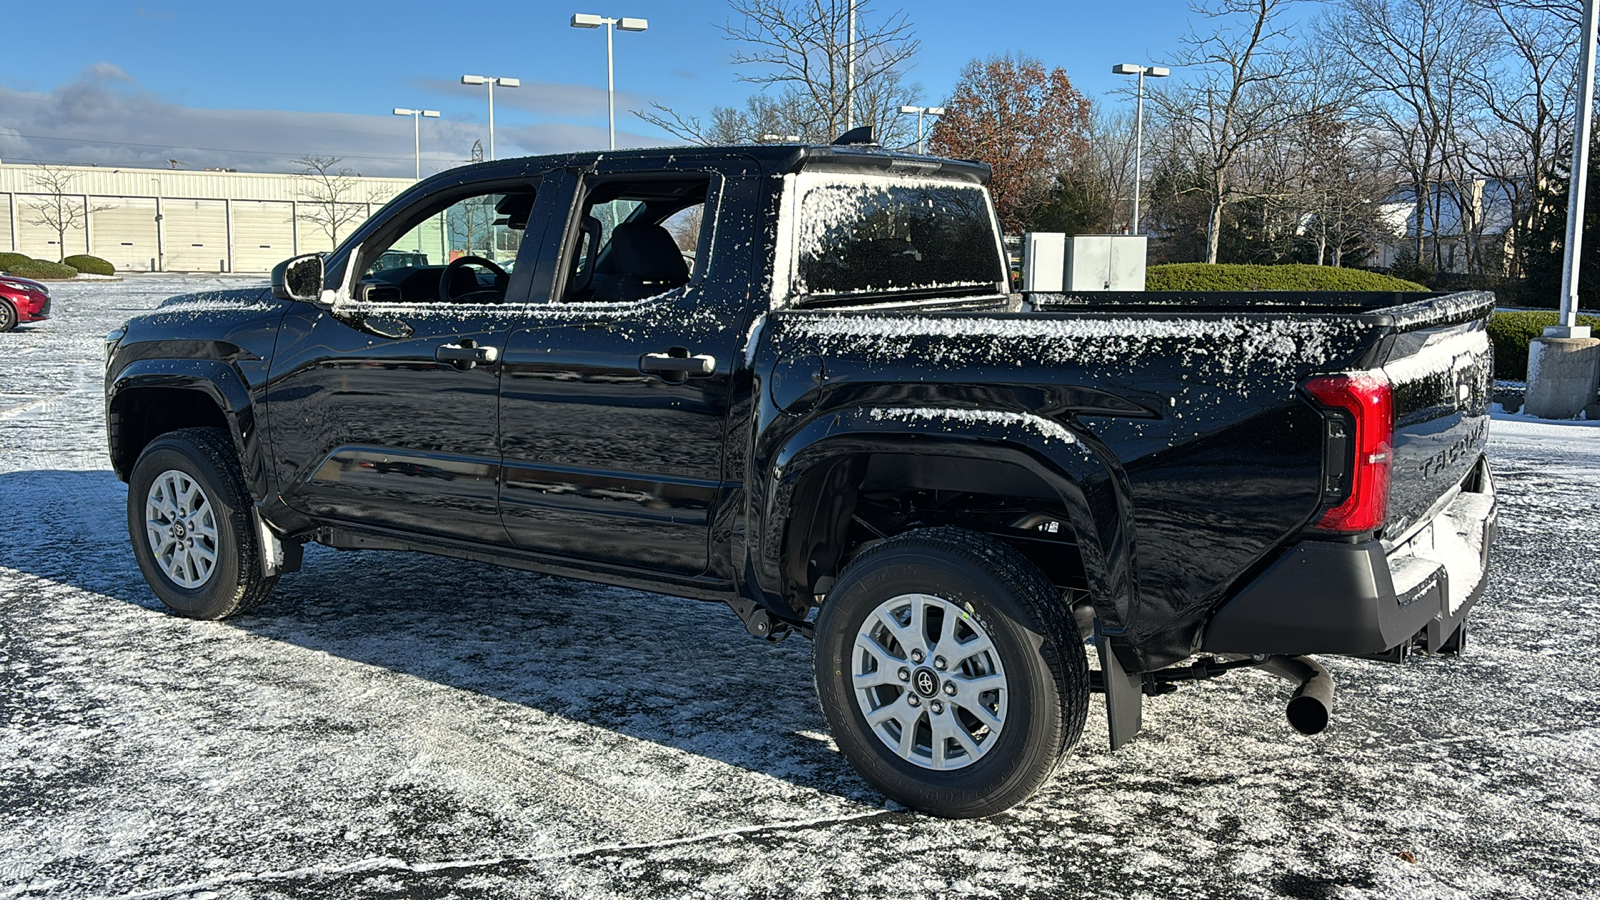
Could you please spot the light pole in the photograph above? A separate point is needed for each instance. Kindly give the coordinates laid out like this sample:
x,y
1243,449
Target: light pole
x,y
161,252
1562,361
1138,139
1577,187
417,116
584,20
850,72
921,111
491,81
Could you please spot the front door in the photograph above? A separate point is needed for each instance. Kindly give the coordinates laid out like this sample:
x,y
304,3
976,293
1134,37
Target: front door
x,y
385,409
614,395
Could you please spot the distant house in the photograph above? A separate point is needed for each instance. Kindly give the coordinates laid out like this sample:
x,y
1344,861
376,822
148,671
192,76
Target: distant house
x,y
1473,227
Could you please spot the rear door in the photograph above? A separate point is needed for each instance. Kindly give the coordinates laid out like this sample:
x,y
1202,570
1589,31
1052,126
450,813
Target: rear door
x,y
615,395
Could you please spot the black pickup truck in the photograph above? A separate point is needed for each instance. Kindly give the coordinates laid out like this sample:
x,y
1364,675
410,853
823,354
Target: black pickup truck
x,y
793,379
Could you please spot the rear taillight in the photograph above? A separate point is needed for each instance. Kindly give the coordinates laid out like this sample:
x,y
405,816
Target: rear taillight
x,y
1360,438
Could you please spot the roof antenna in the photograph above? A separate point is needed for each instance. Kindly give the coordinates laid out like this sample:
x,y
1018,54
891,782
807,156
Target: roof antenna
x,y
862,135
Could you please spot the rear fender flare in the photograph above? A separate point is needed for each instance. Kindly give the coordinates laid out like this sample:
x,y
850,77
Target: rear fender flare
x,y
1072,463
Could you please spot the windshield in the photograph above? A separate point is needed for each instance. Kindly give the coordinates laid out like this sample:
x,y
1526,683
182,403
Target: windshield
x,y
861,236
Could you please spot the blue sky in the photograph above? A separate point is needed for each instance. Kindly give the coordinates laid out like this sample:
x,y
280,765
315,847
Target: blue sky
x,y
225,84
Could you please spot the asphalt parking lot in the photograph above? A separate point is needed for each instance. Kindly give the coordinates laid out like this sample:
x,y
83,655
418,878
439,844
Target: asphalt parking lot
x,y
391,725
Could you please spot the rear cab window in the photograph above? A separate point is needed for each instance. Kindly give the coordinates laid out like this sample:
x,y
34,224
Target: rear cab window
x,y
875,238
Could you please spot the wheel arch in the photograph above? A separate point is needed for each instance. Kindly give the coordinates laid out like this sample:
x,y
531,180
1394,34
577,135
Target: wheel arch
x,y
815,481
150,398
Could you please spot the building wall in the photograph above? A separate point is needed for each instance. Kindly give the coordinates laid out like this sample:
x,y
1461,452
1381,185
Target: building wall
x,y
177,220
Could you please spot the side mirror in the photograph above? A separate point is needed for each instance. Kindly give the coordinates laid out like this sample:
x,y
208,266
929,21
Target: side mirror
x,y
299,278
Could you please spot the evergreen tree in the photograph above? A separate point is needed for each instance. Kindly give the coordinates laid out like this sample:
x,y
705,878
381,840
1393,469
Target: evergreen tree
x,y
1543,251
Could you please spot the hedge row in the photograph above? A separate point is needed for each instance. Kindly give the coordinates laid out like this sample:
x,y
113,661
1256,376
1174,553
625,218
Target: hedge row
x,y
90,265
1206,277
1510,333
41,270
22,266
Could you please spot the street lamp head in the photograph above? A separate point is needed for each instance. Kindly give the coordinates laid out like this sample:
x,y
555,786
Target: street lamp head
x,y
473,79
935,110
911,110
1158,71
403,112
633,24
1126,69
430,114
584,20
508,82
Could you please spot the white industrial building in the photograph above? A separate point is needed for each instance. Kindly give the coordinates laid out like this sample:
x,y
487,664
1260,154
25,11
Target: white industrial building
x,y
178,220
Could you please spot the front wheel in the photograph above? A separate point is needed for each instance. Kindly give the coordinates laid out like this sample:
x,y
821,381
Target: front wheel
x,y
189,520
950,672
8,316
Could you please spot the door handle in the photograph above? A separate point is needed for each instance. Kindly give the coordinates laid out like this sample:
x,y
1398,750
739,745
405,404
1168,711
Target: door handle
x,y
466,354
668,364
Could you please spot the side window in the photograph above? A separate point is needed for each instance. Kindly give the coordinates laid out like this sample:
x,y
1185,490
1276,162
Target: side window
x,y
460,253
635,238
684,226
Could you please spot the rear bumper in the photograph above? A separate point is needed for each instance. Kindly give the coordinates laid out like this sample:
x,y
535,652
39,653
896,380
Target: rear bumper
x,y
1357,599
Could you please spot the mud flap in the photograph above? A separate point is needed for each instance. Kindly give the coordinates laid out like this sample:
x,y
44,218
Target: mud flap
x,y
277,558
1124,694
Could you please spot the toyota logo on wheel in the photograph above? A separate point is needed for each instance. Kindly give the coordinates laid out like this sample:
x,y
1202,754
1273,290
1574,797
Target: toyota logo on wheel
x,y
927,683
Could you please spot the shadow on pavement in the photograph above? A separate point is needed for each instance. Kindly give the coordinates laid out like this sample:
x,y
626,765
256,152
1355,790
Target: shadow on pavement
x,y
679,673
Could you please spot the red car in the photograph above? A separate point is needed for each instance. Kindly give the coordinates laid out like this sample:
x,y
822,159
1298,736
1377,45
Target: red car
x,y
22,300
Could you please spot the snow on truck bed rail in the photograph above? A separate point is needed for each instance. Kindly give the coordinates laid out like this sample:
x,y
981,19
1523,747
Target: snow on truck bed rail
x,y
1229,345
1438,356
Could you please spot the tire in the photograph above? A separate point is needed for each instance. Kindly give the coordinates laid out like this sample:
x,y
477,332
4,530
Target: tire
x,y
1035,709
190,524
8,316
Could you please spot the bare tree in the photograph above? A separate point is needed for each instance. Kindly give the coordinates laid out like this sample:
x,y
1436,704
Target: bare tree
x,y
797,52
60,210
328,195
1111,156
1340,186
1525,98
1413,59
1027,122
1233,95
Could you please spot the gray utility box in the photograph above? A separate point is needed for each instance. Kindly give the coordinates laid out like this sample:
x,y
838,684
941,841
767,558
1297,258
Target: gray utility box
x,y
1059,263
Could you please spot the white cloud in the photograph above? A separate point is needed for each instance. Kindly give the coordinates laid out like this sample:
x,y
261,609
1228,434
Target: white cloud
x,y
104,117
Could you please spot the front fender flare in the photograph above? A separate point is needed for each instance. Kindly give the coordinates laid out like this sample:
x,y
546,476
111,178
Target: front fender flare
x,y
218,381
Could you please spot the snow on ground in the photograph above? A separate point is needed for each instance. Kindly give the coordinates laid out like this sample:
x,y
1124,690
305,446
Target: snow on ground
x,y
393,725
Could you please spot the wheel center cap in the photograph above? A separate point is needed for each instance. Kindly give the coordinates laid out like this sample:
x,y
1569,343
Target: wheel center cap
x,y
926,682
178,531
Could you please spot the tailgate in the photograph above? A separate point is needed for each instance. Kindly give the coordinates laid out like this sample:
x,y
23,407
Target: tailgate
x,y
1442,378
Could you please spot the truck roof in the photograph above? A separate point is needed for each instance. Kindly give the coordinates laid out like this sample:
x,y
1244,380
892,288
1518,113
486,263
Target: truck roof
x,y
773,158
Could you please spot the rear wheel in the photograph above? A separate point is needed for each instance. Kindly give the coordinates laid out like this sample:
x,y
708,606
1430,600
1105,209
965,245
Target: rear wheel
x,y
189,520
8,316
950,672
